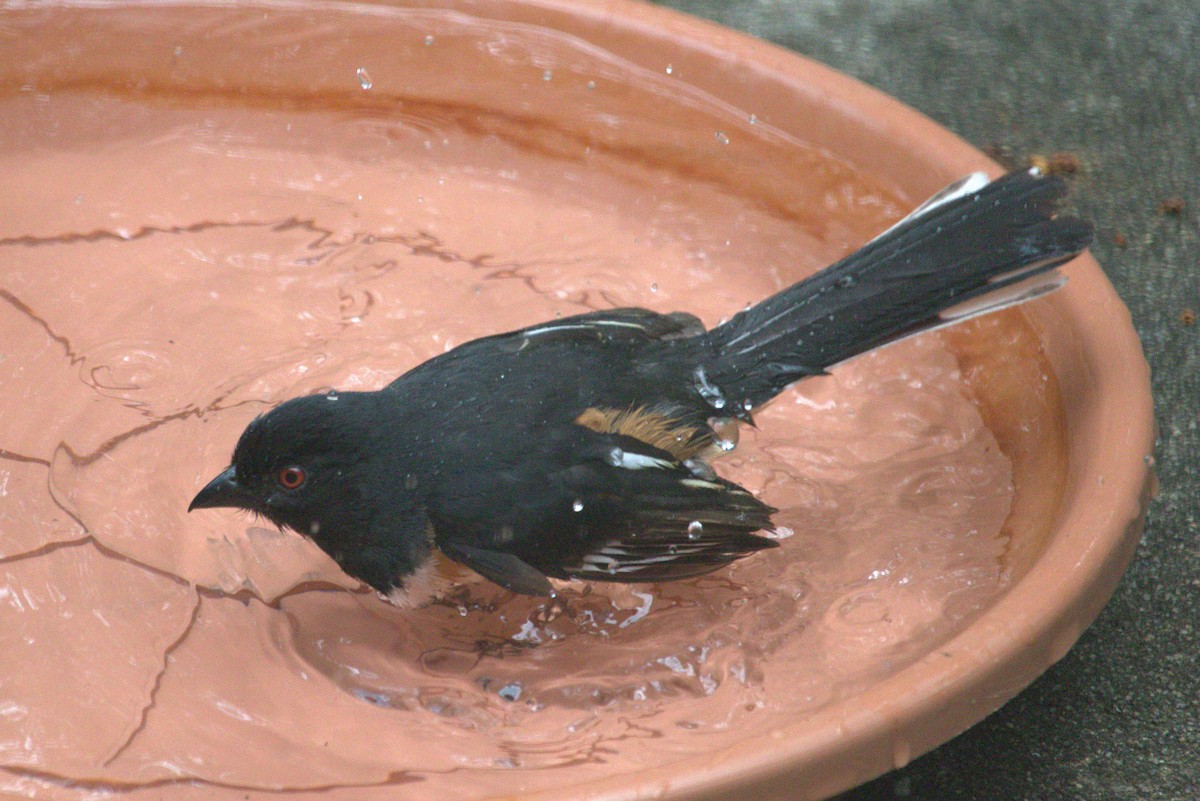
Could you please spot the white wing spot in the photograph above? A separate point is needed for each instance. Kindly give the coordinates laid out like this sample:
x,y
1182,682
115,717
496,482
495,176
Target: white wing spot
x,y
549,329
636,461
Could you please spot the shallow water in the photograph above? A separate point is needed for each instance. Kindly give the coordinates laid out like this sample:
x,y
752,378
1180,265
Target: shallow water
x,y
180,263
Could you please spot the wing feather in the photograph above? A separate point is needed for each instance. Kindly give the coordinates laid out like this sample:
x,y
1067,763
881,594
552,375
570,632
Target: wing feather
x,y
584,504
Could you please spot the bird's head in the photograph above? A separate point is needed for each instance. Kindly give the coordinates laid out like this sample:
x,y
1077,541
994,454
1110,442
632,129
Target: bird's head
x,y
323,465
302,464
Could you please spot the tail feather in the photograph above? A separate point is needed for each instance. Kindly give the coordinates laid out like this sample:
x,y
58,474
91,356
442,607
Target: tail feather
x,y
973,248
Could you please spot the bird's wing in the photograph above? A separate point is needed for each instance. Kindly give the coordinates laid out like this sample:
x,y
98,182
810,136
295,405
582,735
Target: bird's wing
x,y
608,325
593,505
508,357
678,524
631,322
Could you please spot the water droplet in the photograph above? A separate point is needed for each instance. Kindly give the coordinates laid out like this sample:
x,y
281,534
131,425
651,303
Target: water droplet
x,y
378,699
331,395
510,692
547,75
614,457
709,391
670,69
725,432
654,287
695,530
701,469
429,38
846,281
747,404
722,138
577,505
754,119
364,79
591,84
1149,460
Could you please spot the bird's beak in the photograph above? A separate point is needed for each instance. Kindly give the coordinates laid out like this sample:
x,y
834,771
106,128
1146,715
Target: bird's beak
x,y
223,490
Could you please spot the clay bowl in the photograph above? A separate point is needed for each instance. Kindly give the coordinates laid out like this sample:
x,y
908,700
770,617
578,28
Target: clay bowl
x,y
584,97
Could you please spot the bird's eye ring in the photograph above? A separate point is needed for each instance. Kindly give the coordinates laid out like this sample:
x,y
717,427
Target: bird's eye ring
x,y
291,477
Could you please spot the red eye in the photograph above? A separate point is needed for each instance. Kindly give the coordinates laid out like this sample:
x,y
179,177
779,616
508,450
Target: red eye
x,y
291,477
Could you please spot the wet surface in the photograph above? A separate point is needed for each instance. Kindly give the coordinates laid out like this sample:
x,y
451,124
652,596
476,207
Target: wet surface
x,y
182,262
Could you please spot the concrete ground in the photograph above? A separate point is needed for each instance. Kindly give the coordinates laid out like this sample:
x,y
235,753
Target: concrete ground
x,y
1117,84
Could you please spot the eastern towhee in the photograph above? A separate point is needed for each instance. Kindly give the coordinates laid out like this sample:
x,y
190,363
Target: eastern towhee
x,y
579,448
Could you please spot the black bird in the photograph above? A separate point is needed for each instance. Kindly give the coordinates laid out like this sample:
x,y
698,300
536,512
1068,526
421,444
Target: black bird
x,y
578,448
